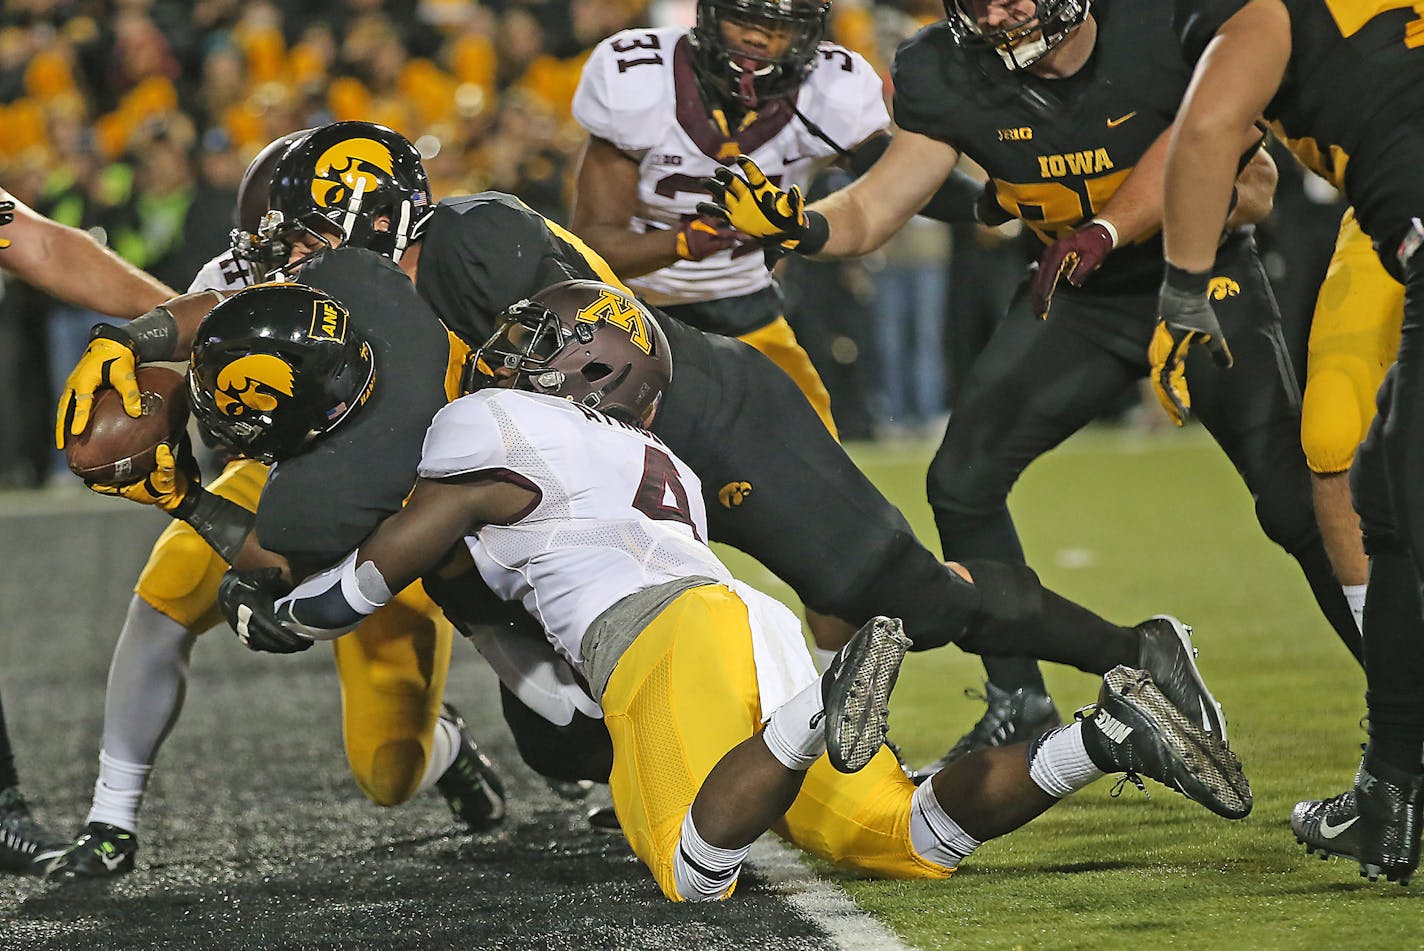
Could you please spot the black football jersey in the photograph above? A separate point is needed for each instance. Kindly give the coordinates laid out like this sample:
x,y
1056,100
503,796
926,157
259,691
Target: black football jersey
x,y
1057,149
481,253
319,505
1351,102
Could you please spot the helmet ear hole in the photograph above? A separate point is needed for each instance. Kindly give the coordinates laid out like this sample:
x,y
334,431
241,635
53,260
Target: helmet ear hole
x,y
595,371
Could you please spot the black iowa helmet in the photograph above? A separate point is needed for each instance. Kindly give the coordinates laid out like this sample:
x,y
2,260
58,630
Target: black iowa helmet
x,y
274,367
344,176
584,341
749,76
256,255
1022,43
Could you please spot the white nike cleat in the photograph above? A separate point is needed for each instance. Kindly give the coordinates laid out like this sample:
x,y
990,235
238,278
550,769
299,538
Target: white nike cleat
x,y
1326,827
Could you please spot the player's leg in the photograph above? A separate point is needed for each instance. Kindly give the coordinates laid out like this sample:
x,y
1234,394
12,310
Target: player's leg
x,y
1034,385
174,601
1253,413
398,741
778,343
806,512
22,840
1354,337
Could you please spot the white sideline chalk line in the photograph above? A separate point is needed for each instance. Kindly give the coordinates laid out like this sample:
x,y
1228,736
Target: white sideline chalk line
x,y
830,908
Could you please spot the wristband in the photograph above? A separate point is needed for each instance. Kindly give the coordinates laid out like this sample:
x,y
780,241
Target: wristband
x,y
1184,281
223,524
816,234
1108,227
154,335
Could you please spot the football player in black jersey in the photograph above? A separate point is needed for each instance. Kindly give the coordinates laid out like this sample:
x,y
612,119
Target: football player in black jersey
x,y
1066,109
806,512
1344,85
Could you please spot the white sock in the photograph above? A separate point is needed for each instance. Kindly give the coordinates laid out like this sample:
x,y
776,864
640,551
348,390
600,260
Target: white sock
x,y
823,658
936,837
704,872
796,731
118,792
444,747
1355,595
1060,765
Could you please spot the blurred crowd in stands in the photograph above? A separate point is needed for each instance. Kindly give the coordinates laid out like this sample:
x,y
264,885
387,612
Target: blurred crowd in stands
x,y
134,119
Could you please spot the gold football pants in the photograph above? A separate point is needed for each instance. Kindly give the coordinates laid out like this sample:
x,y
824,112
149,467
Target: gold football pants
x,y
1354,337
392,668
778,343
682,696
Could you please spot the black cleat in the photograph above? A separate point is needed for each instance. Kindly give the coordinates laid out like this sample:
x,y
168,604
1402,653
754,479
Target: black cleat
x,y
1390,802
1328,827
1024,714
855,691
100,851
22,840
1166,652
472,788
1136,730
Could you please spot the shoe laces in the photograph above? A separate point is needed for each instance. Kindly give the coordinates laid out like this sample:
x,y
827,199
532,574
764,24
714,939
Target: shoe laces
x,y
1123,780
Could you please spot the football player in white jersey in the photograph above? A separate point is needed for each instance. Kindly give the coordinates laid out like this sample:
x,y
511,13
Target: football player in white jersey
x,y
665,108
554,493
394,742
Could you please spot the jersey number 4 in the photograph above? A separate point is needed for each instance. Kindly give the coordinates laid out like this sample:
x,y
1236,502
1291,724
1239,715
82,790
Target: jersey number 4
x,y
661,494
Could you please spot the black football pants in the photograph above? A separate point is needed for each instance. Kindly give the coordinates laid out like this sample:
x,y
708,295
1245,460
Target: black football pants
x,y
1040,381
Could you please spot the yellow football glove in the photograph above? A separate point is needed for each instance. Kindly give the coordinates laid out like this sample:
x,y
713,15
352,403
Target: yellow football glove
x,y
167,486
751,204
111,359
1184,320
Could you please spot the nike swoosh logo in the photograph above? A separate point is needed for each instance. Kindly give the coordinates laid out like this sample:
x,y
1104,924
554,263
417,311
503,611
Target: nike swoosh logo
x,y
816,720
1330,832
1114,123
793,159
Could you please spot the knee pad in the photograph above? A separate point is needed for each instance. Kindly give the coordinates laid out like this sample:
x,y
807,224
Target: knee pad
x,y
1337,411
180,579
392,772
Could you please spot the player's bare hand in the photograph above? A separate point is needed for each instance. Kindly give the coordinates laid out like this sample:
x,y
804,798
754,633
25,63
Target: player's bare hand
x,y
704,236
248,600
1185,319
753,205
111,360
167,487
1075,257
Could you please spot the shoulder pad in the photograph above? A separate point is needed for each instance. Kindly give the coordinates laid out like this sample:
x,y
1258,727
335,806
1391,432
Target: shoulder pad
x,y
628,105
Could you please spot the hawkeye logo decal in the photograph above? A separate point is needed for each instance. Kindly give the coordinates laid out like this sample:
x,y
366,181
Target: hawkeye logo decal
x,y
328,321
345,166
254,383
1221,288
623,312
733,494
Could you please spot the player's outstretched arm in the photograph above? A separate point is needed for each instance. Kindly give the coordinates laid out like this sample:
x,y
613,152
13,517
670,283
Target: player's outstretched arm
x,y
605,195
69,264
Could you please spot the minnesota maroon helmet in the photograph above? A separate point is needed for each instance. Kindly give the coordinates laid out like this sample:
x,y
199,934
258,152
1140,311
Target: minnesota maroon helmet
x,y
587,342
255,256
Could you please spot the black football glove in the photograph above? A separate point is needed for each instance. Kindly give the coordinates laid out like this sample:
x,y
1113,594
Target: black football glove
x,y
1184,319
248,600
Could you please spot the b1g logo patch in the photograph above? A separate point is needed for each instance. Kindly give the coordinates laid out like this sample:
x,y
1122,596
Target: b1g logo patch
x,y
253,384
1221,288
328,321
733,494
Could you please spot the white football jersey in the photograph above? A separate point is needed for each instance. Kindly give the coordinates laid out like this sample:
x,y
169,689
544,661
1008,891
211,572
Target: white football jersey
x,y
222,273
638,91
617,511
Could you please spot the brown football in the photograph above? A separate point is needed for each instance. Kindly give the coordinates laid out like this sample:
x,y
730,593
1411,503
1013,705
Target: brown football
x,y
118,448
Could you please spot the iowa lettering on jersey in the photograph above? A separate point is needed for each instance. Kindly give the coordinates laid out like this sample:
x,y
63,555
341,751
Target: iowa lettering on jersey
x,y
1086,162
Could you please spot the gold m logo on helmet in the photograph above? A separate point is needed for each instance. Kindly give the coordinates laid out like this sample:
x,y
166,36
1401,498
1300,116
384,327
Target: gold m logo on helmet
x,y
623,312
253,383
1221,288
347,164
328,321
733,494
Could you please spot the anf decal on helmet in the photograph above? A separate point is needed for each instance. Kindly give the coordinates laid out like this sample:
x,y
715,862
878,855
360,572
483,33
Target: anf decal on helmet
x,y
252,384
328,321
620,311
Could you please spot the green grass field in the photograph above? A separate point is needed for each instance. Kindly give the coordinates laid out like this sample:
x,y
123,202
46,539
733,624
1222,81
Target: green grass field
x,y
1133,526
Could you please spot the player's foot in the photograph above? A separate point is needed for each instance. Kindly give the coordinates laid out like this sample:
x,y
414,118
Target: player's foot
x,y
1328,827
855,690
22,840
99,851
1166,652
1012,716
1137,730
1390,802
471,786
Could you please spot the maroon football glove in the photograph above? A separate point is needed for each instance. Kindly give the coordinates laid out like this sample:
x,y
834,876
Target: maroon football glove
x,y
701,237
1076,257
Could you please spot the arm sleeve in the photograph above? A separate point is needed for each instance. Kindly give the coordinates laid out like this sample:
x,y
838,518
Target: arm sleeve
x,y
329,604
